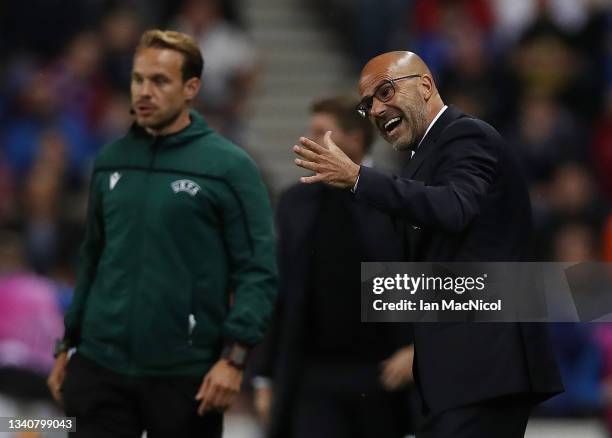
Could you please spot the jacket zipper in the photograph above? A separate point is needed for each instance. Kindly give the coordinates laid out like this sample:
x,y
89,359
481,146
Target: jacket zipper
x,y
191,318
154,147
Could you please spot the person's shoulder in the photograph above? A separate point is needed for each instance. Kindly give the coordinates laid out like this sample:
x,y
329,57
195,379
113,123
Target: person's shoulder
x,y
298,190
294,195
469,126
217,156
231,154
110,152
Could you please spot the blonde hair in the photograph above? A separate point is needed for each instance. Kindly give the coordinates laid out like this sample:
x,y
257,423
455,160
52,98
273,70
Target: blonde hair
x,y
193,63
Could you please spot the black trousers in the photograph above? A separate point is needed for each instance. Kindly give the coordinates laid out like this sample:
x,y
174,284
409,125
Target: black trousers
x,y
107,404
348,401
505,417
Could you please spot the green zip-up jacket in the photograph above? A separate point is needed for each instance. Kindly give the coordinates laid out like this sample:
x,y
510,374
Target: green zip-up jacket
x,y
178,256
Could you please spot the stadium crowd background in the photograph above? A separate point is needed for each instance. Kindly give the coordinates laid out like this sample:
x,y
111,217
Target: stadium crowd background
x,y
538,70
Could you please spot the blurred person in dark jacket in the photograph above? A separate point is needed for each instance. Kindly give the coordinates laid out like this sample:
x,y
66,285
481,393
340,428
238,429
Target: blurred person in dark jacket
x,y
328,374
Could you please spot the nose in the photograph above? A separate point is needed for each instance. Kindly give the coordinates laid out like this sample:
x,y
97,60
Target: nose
x,y
378,108
145,89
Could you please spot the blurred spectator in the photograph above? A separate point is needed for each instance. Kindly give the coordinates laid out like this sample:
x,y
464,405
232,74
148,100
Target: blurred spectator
x,y
120,32
77,78
435,24
37,110
8,196
545,135
601,148
580,362
116,119
570,196
230,65
604,336
41,200
30,321
607,240
471,79
575,242
513,16
579,356
547,61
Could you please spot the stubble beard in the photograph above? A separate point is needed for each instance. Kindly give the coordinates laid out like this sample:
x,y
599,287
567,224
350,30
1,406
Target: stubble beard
x,y
417,120
163,123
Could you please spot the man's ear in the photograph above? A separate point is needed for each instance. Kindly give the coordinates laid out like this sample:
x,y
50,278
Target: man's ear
x,y
427,87
191,88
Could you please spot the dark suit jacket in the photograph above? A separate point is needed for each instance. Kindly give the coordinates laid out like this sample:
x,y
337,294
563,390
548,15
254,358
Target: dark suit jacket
x,y
382,239
463,198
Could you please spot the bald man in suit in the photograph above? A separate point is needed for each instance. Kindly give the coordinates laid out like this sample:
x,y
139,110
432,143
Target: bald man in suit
x,y
462,198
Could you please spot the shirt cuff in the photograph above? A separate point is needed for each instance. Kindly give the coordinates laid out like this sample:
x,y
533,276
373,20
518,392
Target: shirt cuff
x,y
354,189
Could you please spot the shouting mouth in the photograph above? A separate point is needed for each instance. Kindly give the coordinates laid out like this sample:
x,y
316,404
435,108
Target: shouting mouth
x,y
391,124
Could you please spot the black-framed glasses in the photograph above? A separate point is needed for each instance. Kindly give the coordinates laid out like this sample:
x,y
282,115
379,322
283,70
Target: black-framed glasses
x,y
384,92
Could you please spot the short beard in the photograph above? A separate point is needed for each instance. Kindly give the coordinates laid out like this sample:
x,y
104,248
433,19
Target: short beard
x,y
159,126
417,120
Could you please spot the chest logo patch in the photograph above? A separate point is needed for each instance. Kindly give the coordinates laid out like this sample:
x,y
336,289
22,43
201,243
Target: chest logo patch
x,y
114,179
185,185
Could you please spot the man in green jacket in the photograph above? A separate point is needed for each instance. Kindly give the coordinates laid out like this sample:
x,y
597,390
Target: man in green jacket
x,y
177,274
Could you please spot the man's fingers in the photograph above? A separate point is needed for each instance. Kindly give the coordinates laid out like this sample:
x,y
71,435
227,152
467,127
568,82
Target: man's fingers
x,y
203,389
222,399
328,142
309,165
202,408
54,383
207,398
313,146
218,397
55,392
390,381
305,153
228,399
312,179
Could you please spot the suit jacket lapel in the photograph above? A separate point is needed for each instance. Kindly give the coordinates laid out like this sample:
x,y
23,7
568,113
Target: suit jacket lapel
x,y
426,147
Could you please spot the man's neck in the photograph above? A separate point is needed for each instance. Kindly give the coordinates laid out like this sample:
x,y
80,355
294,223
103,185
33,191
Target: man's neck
x,y
435,106
180,123
432,119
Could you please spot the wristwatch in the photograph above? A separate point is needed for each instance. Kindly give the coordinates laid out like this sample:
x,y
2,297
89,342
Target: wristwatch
x,y
236,354
61,346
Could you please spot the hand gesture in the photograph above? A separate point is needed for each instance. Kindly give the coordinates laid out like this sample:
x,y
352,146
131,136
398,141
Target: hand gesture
x,y
330,164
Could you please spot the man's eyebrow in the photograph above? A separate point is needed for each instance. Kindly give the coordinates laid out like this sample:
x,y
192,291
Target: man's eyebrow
x,y
155,76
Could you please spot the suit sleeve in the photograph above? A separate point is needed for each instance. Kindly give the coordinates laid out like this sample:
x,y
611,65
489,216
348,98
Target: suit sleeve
x,y
90,252
465,167
249,237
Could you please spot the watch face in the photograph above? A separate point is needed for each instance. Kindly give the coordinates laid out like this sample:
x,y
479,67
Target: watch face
x,y
59,347
239,355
